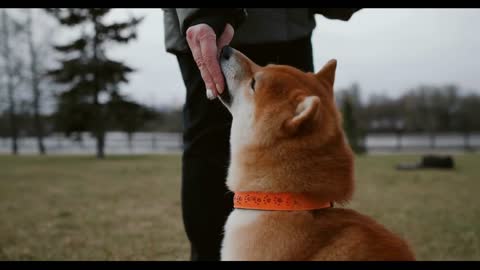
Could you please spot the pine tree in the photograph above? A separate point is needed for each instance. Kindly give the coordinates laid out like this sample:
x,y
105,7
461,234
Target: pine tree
x,y
128,116
353,131
91,77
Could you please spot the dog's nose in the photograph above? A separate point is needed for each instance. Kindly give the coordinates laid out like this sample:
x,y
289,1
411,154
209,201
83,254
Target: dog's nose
x,y
227,51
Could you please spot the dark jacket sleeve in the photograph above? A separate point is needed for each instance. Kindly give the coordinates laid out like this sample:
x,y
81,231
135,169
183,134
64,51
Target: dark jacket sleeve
x,y
343,14
216,18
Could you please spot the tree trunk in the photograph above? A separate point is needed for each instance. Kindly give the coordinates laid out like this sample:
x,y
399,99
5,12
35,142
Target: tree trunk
x,y
432,140
9,83
154,141
99,122
38,125
399,140
466,141
13,121
101,144
130,138
99,128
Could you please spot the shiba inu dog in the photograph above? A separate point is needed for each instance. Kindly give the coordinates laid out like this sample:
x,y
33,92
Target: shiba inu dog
x,y
289,163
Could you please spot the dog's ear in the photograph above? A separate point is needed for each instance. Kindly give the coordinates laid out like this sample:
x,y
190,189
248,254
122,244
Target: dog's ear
x,y
327,73
306,112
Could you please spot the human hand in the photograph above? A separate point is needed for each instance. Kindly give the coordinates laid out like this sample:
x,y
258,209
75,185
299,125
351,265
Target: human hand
x,y
206,48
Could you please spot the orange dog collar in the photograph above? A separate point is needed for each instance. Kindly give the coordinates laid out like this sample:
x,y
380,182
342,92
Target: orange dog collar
x,y
278,201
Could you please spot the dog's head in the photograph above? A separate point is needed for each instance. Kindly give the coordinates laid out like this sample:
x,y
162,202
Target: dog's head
x,y
285,122
278,101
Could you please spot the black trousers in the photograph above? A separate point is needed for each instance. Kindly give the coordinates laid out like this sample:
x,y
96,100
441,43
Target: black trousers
x,y
206,202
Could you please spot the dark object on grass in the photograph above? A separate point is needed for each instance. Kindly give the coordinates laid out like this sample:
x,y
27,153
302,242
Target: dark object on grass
x,y
429,161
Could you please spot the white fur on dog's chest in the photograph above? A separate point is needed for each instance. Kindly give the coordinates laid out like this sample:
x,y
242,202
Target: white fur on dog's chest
x,y
242,217
237,220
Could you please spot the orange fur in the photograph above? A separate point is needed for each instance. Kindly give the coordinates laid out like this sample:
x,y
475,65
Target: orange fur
x,y
306,151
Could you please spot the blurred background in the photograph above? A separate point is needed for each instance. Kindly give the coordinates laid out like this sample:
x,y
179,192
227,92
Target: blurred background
x,y
91,130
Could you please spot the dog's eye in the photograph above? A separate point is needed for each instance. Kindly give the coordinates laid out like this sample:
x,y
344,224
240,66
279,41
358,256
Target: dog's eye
x,y
252,85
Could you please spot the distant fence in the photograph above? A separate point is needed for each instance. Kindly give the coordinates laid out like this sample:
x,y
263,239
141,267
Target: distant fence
x,y
422,142
156,143
115,143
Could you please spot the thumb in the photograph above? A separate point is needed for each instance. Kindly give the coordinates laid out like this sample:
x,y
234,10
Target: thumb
x,y
225,38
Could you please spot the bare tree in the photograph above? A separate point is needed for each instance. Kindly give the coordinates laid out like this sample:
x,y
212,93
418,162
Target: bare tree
x,y
12,70
38,51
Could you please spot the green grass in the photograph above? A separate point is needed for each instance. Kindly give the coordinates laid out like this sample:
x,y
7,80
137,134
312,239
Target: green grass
x,y
79,208
128,208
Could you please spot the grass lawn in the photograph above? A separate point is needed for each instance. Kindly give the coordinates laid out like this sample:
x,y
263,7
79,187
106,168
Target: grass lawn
x,y
128,208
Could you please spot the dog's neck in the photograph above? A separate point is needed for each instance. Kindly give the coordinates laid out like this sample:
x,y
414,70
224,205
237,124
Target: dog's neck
x,y
326,172
278,201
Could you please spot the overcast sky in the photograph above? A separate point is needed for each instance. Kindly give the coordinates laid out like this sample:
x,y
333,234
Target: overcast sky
x,y
384,50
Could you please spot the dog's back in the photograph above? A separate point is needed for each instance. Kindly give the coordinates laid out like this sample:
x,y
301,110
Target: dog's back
x,y
357,237
329,234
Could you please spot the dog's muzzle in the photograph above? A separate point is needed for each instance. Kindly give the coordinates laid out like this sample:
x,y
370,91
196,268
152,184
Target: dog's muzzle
x,y
225,55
